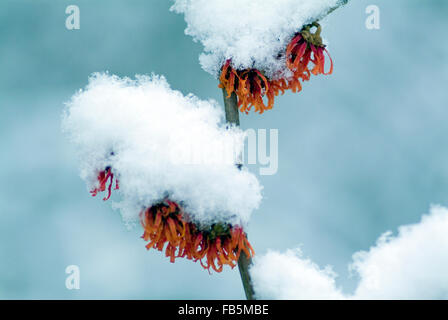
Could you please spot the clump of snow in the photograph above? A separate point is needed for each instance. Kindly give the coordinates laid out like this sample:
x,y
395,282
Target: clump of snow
x,y
250,32
411,265
289,276
160,143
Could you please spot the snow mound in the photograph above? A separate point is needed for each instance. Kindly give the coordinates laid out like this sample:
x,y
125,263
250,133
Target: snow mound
x,y
159,143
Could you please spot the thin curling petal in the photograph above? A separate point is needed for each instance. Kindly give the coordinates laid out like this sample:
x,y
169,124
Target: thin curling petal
x,y
103,179
172,228
292,45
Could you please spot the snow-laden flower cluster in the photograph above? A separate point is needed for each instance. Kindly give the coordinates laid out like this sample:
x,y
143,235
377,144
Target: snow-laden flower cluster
x,y
259,49
411,265
149,138
251,33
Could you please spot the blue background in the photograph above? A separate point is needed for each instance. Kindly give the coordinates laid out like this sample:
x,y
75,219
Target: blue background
x,y
361,152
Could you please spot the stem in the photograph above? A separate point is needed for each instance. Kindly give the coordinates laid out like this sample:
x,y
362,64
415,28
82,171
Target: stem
x,y
231,108
244,262
340,4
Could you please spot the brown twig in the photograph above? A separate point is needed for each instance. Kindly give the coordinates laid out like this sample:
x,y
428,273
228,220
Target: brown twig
x,y
244,262
340,4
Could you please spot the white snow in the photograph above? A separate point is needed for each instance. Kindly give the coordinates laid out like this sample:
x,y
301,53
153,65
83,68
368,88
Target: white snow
x,y
290,276
250,32
410,265
158,143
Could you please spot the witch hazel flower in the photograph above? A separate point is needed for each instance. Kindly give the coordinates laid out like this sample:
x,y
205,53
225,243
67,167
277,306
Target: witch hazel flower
x,y
254,89
186,210
259,49
214,246
304,48
105,180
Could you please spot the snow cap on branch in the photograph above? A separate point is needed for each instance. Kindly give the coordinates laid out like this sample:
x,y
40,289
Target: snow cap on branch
x,y
158,144
252,33
410,265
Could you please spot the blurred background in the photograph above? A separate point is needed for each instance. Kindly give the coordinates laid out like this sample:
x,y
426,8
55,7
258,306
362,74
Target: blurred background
x,y
360,152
